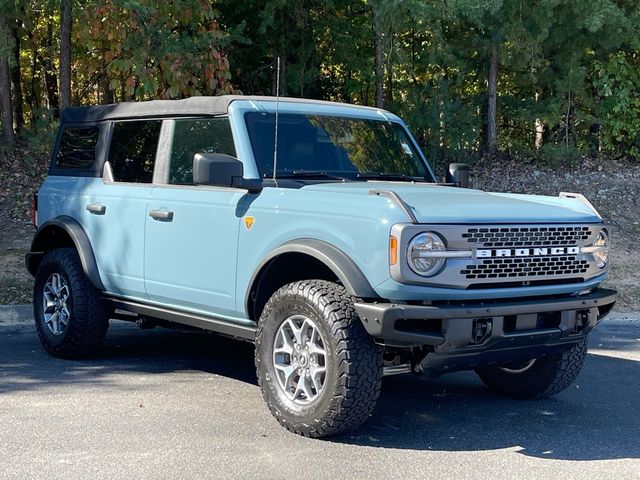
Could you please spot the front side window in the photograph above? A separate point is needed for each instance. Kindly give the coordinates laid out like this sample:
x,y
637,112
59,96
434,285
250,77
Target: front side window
x,y
349,147
191,136
132,153
77,148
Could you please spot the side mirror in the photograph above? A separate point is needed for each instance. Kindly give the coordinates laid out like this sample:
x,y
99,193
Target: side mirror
x,y
222,170
458,173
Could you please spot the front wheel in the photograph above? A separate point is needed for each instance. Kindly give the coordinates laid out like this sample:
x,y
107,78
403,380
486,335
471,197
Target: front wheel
x,y
318,369
536,378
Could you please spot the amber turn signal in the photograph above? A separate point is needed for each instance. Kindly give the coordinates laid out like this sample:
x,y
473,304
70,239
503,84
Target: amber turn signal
x,y
393,250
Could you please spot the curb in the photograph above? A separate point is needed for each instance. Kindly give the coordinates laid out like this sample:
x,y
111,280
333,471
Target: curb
x,y
16,314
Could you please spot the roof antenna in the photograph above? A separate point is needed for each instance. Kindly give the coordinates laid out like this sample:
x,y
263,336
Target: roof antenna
x,y
275,143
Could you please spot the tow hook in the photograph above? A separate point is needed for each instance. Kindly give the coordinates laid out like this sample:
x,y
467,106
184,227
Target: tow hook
x,y
481,330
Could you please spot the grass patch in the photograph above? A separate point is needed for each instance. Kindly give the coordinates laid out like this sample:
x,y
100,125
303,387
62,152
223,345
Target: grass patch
x,y
15,282
15,291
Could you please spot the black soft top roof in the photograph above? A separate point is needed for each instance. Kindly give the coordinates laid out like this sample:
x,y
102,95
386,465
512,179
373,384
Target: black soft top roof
x,y
162,108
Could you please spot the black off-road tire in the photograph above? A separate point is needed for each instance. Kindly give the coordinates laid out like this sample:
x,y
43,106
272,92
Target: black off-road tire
x,y
354,362
547,376
89,316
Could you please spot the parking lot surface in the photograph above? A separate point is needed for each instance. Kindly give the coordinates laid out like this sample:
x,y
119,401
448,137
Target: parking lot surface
x,y
166,404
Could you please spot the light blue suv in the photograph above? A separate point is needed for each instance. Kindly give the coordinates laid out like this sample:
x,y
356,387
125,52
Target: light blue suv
x,y
318,231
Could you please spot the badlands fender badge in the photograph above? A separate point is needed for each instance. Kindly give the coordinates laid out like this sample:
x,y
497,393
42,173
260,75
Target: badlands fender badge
x,y
248,222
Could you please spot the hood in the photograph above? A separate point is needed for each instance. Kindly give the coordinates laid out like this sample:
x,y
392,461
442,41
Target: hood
x,y
440,204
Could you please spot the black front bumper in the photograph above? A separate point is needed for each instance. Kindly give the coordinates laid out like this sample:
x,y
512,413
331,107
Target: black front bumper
x,y
467,335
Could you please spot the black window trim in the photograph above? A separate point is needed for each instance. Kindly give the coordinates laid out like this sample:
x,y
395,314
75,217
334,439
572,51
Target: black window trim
x,y
109,136
103,146
96,170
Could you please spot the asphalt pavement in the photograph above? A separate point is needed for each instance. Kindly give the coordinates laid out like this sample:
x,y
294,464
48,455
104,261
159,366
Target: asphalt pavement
x,y
162,404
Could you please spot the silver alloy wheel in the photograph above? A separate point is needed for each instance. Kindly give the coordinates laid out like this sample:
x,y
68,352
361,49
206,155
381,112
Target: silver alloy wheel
x,y
55,308
299,359
520,368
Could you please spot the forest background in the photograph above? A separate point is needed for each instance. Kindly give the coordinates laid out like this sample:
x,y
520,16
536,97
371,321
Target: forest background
x,y
540,96
556,79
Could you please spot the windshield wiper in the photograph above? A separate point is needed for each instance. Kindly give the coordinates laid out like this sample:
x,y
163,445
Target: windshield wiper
x,y
389,176
306,174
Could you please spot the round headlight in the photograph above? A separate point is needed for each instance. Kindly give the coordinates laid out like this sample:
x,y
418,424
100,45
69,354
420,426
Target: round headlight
x,y
420,254
602,257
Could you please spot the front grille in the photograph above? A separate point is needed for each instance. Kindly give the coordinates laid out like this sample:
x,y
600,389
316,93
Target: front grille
x,y
526,267
526,236
507,255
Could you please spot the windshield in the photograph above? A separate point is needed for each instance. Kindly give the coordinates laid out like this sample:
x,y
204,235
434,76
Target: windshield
x,y
334,147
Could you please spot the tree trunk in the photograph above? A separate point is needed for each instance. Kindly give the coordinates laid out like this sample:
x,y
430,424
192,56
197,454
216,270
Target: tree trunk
x,y
106,95
378,60
16,80
6,109
50,77
65,54
346,95
539,133
51,85
390,72
568,122
492,101
32,97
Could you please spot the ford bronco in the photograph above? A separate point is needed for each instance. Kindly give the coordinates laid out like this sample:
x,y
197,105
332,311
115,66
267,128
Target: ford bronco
x,y
319,232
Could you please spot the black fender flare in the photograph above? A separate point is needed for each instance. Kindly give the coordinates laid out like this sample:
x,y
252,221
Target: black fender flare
x,y
80,240
344,268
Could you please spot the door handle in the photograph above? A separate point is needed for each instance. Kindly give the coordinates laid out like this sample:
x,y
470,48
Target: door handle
x,y
164,215
96,208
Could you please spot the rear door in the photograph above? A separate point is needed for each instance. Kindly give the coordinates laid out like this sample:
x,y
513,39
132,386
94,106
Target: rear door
x,y
114,213
192,231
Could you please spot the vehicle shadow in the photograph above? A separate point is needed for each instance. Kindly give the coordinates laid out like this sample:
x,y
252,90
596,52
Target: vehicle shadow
x,y
595,419
24,365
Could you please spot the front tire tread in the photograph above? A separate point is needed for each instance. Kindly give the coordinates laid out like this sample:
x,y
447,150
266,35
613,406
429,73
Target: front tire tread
x,y
359,361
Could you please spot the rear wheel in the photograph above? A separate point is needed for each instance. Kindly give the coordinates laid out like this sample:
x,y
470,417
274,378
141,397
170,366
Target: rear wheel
x,y
70,317
318,369
536,378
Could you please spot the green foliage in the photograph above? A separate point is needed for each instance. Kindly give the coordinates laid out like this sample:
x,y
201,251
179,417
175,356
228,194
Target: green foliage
x,y
262,30
559,155
570,66
617,83
40,137
154,49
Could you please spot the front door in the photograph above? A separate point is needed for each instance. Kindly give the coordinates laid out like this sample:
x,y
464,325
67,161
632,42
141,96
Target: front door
x,y
192,231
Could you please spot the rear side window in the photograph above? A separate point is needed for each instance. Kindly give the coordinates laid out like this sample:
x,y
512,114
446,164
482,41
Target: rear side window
x,y
77,149
132,153
191,136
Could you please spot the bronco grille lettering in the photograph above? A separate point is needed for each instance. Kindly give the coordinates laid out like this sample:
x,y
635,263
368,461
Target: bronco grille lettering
x,y
527,252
